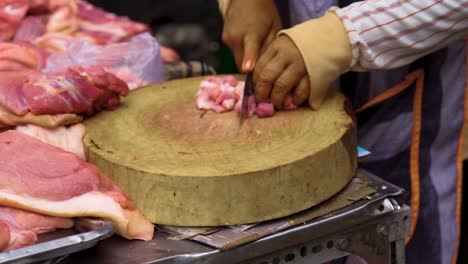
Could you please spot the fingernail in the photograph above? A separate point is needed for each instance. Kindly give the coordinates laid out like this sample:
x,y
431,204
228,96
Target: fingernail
x,y
247,65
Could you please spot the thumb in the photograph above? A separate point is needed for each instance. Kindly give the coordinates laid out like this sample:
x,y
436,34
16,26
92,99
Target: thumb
x,y
251,51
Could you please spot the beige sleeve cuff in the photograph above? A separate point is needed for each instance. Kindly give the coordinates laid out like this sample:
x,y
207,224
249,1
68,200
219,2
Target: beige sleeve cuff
x,y
326,51
223,6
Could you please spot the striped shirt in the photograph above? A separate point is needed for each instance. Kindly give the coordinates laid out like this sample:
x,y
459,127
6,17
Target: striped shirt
x,y
387,34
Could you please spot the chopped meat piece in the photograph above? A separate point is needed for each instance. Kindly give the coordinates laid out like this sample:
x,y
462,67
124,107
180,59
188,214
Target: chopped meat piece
x,y
21,227
265,110
66,138
11,14
29,29
225,94
288,103
55,182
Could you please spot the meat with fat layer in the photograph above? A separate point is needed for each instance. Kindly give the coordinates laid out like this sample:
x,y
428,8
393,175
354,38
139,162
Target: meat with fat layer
x,y
48,180
19,228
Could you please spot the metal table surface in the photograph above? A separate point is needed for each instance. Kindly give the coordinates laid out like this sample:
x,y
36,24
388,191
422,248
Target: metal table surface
x,y
373,229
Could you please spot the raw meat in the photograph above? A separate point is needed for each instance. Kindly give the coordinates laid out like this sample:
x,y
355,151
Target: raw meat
x,y
19,228
29,29
66,138
11,93
75,90
11,14
21,56
265,110
97,22
137,61
48,180
224,94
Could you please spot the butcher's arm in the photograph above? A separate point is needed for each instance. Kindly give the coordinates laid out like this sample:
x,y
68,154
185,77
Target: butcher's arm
x,y
386,34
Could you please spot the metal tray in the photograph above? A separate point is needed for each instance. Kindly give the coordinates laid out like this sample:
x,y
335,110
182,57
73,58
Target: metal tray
x,y
55,246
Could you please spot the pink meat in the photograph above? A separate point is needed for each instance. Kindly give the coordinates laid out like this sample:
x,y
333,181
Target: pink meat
x,y
11,14
29,29
21,55
288,103
55,182
97,22
77,90
11,93
265,110
22,227
59,93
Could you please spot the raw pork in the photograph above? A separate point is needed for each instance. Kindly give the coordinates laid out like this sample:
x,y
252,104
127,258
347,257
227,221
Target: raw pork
x,y
29,29
224,94
21,56
99,23
137,61
11,14
75,90
66,138
48,180
19,228
11,93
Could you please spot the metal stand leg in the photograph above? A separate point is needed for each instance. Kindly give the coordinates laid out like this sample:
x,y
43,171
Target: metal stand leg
x,y
378,243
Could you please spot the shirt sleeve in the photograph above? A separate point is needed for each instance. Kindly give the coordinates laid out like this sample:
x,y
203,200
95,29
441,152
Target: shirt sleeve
x,y
387,34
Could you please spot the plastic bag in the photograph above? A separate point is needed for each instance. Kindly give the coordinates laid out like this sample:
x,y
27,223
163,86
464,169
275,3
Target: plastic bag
x,y
137,61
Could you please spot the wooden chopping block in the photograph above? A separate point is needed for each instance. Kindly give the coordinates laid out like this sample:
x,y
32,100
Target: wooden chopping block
x,y
185,167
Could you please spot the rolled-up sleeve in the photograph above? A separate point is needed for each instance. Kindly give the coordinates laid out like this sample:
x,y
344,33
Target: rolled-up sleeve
x,y
386,34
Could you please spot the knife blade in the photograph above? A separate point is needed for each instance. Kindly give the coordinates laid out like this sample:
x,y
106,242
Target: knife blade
x,y
248,91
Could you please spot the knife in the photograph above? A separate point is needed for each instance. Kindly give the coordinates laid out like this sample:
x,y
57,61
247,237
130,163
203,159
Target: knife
x,y
248,91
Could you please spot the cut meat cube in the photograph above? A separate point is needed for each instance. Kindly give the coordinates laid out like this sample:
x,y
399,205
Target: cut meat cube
x,y
11,14
29,29
19,228
48,180
265,110
66,138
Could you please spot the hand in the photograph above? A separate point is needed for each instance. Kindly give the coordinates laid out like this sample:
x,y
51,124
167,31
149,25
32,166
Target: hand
x,y
280,71
249,27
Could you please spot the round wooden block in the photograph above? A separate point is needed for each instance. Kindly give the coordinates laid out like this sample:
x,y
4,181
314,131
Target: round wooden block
x,y
186,167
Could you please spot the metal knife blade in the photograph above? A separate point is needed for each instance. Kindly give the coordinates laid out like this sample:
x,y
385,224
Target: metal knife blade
x,y
248,91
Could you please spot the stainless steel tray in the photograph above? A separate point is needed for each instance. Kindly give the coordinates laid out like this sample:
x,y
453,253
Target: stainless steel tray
x,y
57,245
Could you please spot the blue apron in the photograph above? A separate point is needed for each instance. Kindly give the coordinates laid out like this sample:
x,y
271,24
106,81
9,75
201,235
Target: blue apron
x,y
412,119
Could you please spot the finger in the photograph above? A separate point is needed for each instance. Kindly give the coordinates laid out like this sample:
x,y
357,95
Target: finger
x,y
268,40
262,62
268,77
251,50
235,44
301,94
284,84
